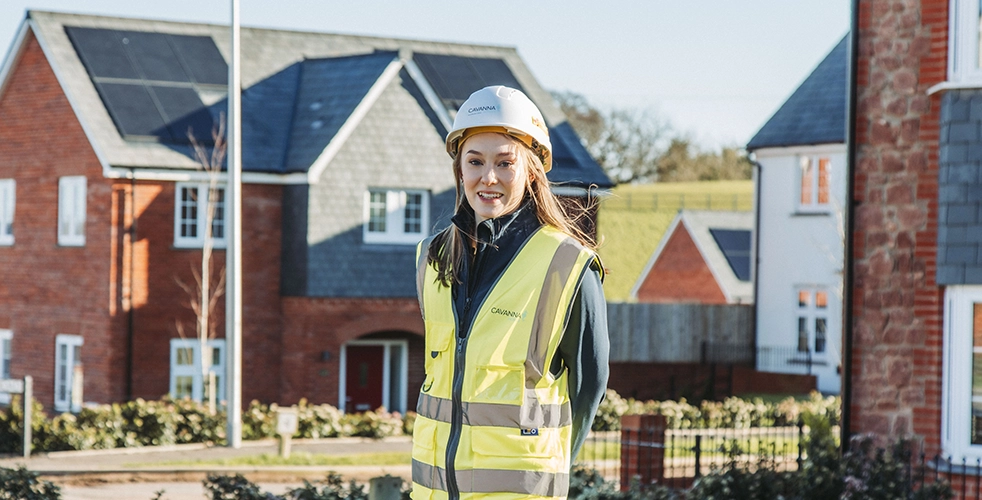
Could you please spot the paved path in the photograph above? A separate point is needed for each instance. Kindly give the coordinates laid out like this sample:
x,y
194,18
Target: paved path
x,y
138,473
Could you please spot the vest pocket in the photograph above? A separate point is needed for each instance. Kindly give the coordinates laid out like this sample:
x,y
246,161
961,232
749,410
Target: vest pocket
x,y
437,363
498,384
510,442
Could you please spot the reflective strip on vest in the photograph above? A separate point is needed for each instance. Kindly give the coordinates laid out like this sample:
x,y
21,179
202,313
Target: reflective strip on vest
x,y
541,416
543,484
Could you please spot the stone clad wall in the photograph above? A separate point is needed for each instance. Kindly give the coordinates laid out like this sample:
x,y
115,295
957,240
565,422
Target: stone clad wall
x,y
897,305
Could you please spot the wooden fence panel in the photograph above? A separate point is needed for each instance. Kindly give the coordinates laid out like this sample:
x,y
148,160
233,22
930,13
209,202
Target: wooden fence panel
x,y
675,333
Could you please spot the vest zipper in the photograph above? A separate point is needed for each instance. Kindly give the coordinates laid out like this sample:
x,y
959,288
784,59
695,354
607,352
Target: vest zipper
x,y
456,419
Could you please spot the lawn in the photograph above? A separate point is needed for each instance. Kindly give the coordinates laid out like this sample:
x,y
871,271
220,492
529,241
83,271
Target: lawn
x,y
634,217
302,459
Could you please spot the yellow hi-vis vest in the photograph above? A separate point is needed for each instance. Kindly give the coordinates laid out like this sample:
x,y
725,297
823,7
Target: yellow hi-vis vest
x,y
493,422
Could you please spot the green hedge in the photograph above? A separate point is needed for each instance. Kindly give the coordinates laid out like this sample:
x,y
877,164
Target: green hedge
x,y
166,422
732,412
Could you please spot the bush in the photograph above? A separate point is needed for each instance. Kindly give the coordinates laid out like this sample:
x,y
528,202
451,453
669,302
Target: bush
x,y
22,484
733,412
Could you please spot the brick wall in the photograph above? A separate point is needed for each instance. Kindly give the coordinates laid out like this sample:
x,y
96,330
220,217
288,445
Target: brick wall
x,y
897,306
313,326
46,289
680,274
162,307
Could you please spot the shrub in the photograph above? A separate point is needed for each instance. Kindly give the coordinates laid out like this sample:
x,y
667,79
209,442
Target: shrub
x,y
22,484
235,487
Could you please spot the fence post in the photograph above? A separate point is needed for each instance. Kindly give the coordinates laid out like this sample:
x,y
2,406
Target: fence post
x,y
644,456
801,442
697,449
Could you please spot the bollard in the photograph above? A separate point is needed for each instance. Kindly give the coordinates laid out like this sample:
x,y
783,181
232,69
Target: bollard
x,y
385,488
28,418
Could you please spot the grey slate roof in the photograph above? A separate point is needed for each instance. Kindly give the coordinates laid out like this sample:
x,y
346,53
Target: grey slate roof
x,y
960,189
816,112
283,74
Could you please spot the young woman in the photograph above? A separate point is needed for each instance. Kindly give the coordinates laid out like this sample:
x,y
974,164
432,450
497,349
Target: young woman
x,y
516,331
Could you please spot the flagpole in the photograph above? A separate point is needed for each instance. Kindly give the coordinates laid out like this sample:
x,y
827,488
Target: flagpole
x,y
233,253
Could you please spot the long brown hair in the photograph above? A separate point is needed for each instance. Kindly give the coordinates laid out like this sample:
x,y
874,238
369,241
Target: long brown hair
x,y
448,248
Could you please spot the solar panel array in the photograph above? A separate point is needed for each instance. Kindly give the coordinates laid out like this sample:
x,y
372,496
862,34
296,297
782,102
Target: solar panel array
x,y
454,78
735,244
151,83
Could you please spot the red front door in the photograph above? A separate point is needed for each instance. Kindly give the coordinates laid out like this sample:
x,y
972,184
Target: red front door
x,y
363,377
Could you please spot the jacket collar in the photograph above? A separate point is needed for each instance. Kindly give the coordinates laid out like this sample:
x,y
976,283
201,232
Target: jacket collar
x,y
491,231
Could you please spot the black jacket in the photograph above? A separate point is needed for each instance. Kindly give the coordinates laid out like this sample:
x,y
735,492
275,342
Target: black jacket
x,y
584,348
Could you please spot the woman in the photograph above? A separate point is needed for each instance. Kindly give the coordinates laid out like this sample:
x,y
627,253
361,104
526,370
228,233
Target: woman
x,y
516,332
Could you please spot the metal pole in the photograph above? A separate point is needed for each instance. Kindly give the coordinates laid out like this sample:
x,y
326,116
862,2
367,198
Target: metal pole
x,y
28,417
233,265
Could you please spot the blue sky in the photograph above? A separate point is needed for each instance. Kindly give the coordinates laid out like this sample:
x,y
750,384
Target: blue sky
x,y
716,69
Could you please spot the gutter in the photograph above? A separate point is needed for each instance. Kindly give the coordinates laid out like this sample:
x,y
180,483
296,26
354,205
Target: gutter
x,y
758,171
850,220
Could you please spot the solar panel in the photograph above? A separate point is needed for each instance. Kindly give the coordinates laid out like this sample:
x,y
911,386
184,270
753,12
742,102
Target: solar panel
x,y
132,109
153,55
455,78
148,81
101,53
183,111
202,59
735,244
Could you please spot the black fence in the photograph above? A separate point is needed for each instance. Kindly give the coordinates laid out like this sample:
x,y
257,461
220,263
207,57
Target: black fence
x,y
677,457
783,359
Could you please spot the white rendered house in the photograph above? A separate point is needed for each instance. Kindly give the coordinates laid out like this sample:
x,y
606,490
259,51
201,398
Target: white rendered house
x,y
800,198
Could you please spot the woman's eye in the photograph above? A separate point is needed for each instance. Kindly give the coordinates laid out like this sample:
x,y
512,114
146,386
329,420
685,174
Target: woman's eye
x,y
475,162
506,164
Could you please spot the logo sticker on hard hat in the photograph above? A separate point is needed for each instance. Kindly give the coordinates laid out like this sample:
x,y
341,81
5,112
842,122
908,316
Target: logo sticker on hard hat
x,y
480,109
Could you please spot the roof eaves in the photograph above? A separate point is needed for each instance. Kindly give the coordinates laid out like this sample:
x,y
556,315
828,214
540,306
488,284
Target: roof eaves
x,y
351,123
428,93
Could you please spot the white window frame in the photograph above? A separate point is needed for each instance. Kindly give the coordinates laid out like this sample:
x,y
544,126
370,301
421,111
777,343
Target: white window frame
x,y
198,240
956,400
72,194
194,369
6,355
963,42
386,373
66,384
395,208
8,203
814,206
812,313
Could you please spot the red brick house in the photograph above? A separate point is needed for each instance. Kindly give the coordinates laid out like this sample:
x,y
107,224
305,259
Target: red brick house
x,y
914,282
344,169
703,258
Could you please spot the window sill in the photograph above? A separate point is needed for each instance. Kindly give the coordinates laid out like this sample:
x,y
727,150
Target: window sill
x,y
949,85
182,245
811,213
966,468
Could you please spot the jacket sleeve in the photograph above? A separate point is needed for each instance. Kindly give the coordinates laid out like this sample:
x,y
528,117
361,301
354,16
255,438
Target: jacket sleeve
x,y
584,350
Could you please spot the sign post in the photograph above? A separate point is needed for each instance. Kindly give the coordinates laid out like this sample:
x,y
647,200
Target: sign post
x,y
286,427
23,386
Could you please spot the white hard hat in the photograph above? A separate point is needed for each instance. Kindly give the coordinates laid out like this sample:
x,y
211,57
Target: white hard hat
x,y
501,109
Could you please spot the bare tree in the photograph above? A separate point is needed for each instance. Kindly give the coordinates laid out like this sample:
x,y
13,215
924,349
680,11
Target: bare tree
x,y
203,295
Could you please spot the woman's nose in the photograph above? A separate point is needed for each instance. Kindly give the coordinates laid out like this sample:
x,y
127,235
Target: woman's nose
x,y
489,178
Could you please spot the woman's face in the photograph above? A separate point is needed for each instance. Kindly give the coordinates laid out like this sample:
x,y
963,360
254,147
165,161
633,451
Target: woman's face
x,y
493,173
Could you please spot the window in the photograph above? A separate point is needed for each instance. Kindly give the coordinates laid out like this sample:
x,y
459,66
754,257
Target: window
x,y
964,56
393,216
190,216
961,410
6,338
71,211
186,380
813,320
815,175
8,193
68,373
